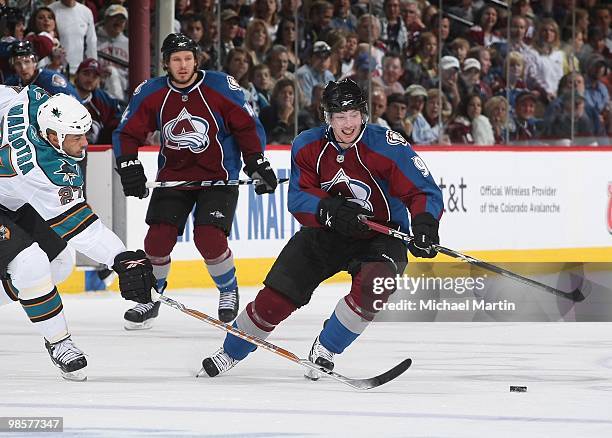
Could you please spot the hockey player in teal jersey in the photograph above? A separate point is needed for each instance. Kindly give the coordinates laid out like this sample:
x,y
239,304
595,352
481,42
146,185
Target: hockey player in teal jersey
x,y
41,189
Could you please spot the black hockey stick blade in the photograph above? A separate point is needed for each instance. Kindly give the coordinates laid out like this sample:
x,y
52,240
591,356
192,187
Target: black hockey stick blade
x,y
362,384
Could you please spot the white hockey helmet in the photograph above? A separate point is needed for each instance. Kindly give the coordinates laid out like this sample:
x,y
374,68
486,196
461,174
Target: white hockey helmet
x,y
63,114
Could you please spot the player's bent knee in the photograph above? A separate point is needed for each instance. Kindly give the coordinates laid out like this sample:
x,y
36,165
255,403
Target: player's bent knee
x,y
62,266
31,283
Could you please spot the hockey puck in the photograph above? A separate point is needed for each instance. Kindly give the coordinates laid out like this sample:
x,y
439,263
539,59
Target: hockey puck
x,y
518,389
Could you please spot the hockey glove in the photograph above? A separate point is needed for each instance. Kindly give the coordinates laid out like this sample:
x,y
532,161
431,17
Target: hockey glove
x,y
341,215
425,233
258,167
132,175
136,277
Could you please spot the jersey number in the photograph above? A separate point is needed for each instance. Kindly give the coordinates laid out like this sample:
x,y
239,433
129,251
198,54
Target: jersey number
x,y
66,194
6,167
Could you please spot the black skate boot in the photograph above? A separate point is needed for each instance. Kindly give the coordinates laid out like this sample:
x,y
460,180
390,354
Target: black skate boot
x,y
218,363
141,316
228,305
320,356
107,276
68,358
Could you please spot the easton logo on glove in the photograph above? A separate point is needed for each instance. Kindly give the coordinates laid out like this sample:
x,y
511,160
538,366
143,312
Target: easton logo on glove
x,y
130,163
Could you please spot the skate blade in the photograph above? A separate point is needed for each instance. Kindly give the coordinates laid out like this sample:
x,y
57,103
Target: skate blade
x,y
75,376
108,281
146,325
202,373
312,375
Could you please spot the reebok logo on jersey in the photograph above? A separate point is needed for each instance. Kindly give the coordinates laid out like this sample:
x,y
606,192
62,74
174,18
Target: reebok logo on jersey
x,y
217,214
5,233
131,264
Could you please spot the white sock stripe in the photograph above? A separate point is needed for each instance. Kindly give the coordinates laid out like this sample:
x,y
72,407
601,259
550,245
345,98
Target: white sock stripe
x,y
244,323
219,259
348,318
221,268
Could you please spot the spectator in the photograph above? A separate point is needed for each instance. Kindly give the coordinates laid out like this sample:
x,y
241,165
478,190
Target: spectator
x,y
278,118
278,61
573,81
411,13
471,83
437,112
392,73
466,10
513,82
114,50
483,55
496,110
440,26
551,60
343,17
470,126
421,130
257,41
422,68
350,53
260,77
459,49
395,115
23,60
485,33
596,93
449,75
229,32
524,126
209,56
602,21
517,43
337,42
364,70
266,10
393,30
368,32
104,109
285,36
239,64
312,115
561,125
378,107
75,26
316,71
42,32
315,29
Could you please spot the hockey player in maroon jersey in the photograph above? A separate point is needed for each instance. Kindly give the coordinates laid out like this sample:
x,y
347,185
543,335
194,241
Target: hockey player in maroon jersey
x,y
339,171
205,126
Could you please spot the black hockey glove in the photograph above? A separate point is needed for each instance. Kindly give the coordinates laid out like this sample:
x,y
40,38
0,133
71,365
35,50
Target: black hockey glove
x,y
136,277
132,175
339,214
258,167
425,233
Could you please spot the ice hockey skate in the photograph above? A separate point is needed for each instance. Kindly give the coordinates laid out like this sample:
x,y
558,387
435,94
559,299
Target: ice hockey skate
x,y
141,316
218,363
320,356
68,358
228,305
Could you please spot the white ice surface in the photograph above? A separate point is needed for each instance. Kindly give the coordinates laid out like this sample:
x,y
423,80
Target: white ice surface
x,y
143,384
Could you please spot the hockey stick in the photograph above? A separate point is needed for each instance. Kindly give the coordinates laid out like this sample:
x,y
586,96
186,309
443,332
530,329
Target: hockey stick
x,y
370,383
575,295
221,182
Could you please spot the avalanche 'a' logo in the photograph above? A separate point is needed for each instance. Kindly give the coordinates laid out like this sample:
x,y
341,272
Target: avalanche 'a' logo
x,y
359,190
186,132
609,215
394,138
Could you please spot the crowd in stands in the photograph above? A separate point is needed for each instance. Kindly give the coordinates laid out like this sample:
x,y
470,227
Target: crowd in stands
x,y
478,72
